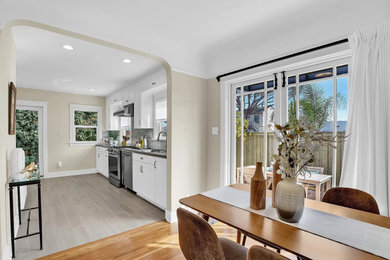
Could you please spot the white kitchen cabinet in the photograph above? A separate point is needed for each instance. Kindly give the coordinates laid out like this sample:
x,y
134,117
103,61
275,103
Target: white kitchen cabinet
x,y
143,110
160,169
102,160
150,178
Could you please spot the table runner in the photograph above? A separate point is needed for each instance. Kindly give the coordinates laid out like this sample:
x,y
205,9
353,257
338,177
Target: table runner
x,y
361,235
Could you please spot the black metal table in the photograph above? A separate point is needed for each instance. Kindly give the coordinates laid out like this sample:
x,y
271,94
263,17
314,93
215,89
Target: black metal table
x,y
18,183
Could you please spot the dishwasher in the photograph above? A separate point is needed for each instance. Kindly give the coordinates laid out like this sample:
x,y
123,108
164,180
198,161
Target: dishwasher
x,y
127,168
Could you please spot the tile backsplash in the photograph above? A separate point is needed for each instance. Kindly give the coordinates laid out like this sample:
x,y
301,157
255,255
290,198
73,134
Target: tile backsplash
x,y
138,134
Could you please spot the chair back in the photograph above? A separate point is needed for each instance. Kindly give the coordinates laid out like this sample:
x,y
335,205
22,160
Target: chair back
x,y
259,252
197,239
351,198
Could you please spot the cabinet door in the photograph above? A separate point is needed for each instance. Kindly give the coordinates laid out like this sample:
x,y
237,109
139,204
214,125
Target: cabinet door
x,y
137,109
104,162
160,170
148,182
98,163
146,110
137,178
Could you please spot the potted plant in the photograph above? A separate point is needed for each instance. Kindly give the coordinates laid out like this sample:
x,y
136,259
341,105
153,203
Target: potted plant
x,y
298,143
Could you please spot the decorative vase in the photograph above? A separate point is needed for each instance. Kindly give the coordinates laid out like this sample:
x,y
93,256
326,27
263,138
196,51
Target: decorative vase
x,y
124,143
290,199
258,188
276,178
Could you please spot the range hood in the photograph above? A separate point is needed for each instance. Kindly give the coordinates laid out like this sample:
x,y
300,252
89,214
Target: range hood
x,y
128,111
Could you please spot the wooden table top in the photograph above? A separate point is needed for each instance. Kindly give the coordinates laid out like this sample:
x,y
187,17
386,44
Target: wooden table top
x,y
284,236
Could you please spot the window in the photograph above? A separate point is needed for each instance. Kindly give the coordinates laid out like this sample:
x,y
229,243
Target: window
x,y
160,116
85,124
315,90
321,96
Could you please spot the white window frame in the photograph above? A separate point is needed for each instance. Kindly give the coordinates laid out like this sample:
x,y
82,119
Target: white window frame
x,y
158,122
228,85
72,131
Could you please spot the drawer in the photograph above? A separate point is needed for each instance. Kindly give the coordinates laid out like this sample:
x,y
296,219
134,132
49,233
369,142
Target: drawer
x,y
143,158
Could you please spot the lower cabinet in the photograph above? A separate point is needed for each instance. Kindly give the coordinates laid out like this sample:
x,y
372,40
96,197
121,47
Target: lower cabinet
x,y
102,160
150,178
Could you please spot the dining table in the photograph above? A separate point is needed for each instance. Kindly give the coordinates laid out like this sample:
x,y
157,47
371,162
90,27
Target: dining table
x,y
291,238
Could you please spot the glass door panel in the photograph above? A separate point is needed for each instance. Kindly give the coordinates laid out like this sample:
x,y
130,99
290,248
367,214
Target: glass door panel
x,y
316,105
254,116
255,119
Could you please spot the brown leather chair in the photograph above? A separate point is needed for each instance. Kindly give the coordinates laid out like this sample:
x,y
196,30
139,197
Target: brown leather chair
x,y
258,252
351,198
199,241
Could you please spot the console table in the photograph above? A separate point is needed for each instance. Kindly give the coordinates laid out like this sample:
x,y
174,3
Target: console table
x,y
18,183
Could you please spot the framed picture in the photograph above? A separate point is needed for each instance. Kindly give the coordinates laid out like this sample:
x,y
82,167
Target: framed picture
x,y
11,108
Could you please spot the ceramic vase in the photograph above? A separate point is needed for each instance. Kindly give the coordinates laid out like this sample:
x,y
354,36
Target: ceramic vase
x,y
290,199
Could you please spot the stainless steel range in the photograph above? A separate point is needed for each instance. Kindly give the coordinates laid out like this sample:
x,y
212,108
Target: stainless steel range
x,y
114,166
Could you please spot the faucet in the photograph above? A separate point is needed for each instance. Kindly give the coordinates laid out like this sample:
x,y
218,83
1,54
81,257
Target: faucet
x,y
161,132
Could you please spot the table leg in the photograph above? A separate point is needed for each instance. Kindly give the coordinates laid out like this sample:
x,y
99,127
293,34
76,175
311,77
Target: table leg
x,y
11,206
19,211
318,192
238,236
40,214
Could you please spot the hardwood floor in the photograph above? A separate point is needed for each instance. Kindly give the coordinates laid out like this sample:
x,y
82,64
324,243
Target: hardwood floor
x,y
158,240
80,209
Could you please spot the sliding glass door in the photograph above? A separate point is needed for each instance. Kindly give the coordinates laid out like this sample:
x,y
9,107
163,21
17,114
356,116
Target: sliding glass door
x,y
317,92
321,96
254,113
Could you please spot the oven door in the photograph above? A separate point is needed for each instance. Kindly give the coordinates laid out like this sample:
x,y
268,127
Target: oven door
x,y
114,167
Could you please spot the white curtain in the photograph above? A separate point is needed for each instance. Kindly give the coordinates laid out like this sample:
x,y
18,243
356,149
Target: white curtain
x,y
366,162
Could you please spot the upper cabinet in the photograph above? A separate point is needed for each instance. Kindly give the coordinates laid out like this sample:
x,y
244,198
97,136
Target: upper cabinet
x,y
142,95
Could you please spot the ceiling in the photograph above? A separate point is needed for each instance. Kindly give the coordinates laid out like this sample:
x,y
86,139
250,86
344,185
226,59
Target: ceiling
x,y
204,37
42,63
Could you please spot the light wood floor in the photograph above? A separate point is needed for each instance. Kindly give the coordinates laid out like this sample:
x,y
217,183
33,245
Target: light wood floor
x,y
80,209
157,241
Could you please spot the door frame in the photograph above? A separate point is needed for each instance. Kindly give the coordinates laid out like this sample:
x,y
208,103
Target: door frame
x,y
227,150
43,105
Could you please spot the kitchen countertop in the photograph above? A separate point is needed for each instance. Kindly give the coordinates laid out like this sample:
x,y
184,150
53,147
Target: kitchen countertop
x,y
136,150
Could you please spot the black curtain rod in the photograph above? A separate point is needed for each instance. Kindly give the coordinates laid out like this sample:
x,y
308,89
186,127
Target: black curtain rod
x,y
284,57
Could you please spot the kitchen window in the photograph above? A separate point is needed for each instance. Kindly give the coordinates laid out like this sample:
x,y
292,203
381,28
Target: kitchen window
x,y
85,124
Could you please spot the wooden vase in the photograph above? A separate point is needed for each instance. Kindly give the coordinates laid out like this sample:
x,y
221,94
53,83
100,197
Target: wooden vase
x,y
258,188
276,178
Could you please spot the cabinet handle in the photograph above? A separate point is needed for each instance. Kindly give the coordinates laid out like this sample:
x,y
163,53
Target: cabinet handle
x,y
142,158
98,155
154,164
141,169
139,122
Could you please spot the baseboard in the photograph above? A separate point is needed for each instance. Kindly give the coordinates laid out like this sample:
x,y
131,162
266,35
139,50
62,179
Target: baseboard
x,y
70,173
171,218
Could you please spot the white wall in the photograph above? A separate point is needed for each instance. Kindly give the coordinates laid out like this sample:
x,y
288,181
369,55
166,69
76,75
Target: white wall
x,y
188,131
58,121
7,142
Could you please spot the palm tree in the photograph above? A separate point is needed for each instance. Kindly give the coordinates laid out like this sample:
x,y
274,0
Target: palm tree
x,y
314,105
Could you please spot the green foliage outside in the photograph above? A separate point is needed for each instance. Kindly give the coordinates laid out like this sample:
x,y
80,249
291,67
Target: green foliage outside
x,y
314,105
27,136
85,134
85,118
238,126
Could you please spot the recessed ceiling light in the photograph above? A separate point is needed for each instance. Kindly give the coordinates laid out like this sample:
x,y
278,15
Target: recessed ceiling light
x,y
91,89
126,60
67,47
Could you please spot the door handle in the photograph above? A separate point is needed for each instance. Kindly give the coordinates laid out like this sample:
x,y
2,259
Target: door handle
x,y
154,164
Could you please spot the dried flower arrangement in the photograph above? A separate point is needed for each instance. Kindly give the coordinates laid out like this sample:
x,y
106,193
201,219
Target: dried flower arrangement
x,y
298,143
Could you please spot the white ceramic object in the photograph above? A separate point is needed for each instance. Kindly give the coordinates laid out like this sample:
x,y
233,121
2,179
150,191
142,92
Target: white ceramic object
x,y
290,199
16,163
